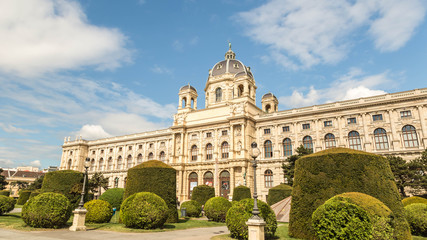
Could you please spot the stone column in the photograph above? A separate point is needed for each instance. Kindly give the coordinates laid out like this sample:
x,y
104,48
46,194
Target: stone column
x,y
423,133
367,139
232,180
395,139
231,142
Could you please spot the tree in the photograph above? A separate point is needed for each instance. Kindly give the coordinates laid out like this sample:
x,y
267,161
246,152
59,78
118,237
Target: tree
x,y
98,181
3,182
289,165
37,184
20,184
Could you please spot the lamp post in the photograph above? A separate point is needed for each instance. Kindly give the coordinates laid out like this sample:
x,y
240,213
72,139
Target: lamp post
x,y
86,165
80,211
254,154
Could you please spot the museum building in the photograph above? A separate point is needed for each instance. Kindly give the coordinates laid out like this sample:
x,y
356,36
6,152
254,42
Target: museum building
x,y
211,145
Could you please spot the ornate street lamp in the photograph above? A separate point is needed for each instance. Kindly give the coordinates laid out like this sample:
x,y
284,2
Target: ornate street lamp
x,y
80,211
254,154
86,165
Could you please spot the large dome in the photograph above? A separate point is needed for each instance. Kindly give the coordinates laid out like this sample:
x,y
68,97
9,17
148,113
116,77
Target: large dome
x,y
230,65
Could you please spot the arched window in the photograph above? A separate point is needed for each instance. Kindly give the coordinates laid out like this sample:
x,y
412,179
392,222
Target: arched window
x,y
224,180
268,178
307,142
194,152
139,159
287,147
240,90
70,163
410,138
208,178
162,156
92,165
218,95
184,102
209,152
150,156
330,140
354,140
119,162
192,182
129,161
224,150
101,164
268,149
267,108
110,163
381,141
116,182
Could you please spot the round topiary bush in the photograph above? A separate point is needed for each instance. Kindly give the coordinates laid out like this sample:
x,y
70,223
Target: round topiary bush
x,y
415,199
241,211
241,192
156,177
5,193
416,214
144,210
114,196
192,208
98,211
216,209
47,210
322,175
24,195
202,193
7,204
278,193
67,182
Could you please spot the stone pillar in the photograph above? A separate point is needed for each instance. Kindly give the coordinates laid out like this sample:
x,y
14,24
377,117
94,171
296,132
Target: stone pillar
x,y
79,220
232,181
256,229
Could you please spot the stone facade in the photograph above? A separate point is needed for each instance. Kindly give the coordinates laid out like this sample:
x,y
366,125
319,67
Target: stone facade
x,y
211,145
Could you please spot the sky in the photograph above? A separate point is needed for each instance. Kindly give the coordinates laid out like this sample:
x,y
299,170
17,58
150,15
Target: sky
x,y
102,68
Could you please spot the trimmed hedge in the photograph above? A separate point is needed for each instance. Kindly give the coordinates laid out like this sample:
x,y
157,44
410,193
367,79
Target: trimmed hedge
x,y
114,196
216,209
7,204
241,192
144,210
24,195
322,175
34,193
202,193
98,211
415,199
416,214
67,182
5,193
192,208
278,193
156,177
241,211
47,210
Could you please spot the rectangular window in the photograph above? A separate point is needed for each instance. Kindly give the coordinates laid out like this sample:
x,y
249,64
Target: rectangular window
x,y
93,152
404,114
267,131
120,148
102,151
351,120
151,145
111,150
194,136
162,144
130,148
306,126
377,117
209,135
327,123
224,133
285,129
140,146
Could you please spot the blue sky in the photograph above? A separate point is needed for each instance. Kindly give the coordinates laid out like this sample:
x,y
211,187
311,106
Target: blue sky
x,y
100,68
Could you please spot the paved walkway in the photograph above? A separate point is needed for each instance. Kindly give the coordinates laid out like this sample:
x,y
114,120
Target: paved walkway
x,y
188,234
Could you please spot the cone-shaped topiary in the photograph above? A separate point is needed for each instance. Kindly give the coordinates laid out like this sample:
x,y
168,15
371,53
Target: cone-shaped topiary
x,y
278,193
202,193
192,208
322,175
241,211
416,214
114,196
7,204
98,211
216,209
47,210
241,192
24,195
415,199
144,210
67,182
156,177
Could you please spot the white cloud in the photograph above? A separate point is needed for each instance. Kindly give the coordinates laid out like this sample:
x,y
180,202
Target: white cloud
x,y
6,163
304,33
355,84
35,163
161,70
178,46
9,128
91,132
42,36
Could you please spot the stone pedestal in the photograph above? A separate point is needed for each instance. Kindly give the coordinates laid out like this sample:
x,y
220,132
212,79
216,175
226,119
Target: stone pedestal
x,y
79,220
255,229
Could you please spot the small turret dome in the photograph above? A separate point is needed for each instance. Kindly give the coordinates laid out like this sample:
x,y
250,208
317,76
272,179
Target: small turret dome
x,y
268,95
187,87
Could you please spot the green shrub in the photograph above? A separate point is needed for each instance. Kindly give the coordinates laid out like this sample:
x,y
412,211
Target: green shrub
x,y
216,209
192,208
411,200
241,211
67,182
47,210
144,210
156,177
98,211
416,214
114,196
7,204
322,175
278,193
5,193
24,195
202,193
34,193
241,192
